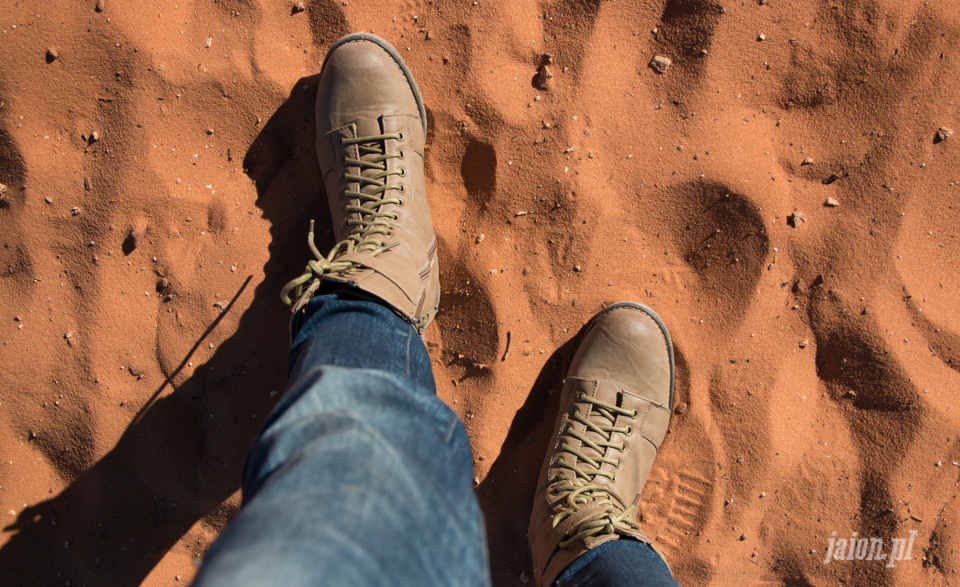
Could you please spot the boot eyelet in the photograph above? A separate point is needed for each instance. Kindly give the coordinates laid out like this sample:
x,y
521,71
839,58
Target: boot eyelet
x,y
629,430
396,217
401,136
635,414
402,155
402,188
340,141
403,172
399,202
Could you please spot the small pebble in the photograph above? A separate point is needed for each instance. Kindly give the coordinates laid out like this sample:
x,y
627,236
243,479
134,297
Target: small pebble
x,y
3,188
163,284
943,133
86,184
99,7
761,37
831,203
796,219
209,42
480,238
807,161
660,64
48,200
298,7
544,77
830,179
52,54
803,344
681,408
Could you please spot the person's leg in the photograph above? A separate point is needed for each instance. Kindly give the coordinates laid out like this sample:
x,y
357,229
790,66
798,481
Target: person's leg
x,y
361,475
614,411
621,563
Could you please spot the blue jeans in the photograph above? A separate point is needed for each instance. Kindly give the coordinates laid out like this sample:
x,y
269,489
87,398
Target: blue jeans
x,y
361,475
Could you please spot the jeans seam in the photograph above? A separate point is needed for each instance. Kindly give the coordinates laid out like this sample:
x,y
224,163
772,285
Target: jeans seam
x,y
407,356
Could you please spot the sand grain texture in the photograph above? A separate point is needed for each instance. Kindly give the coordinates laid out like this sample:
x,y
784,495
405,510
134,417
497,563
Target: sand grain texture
x,y
159,177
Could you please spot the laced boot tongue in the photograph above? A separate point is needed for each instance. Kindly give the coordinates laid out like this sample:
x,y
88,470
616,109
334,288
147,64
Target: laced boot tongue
x,y
582,484
367,167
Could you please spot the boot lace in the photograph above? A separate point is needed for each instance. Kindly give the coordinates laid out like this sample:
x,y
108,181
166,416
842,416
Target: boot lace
x,y
575,484
372,222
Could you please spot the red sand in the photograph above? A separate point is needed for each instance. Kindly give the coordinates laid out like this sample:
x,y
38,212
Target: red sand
x,y
818,365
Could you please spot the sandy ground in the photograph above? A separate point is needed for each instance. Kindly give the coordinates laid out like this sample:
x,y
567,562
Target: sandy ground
x,y
779,195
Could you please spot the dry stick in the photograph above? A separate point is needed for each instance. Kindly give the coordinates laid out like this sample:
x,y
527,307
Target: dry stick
x,y
507,350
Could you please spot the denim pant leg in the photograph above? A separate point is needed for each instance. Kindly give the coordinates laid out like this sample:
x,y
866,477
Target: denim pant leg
x,y
361,475
619,563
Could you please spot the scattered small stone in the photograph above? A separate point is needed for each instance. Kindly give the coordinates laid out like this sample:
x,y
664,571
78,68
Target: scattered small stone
x,y
660,64
86,184
576,268
429,35
547,59
135,236
590,154
75,211
222,306
804,343
681,408
743,537
163,284
135,372
299,7
587,132
807,161
480,238
48,200
3,188
547,124
830,179
526,271
524,578
521,213
168,298
209,131
99,7
763,494
943,133
762,2
728,501
831,203
796,219
52,54
209,42
761,37
31,435
544,77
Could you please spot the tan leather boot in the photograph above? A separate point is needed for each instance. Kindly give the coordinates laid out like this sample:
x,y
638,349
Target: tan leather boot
x,y
371,128
614,410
